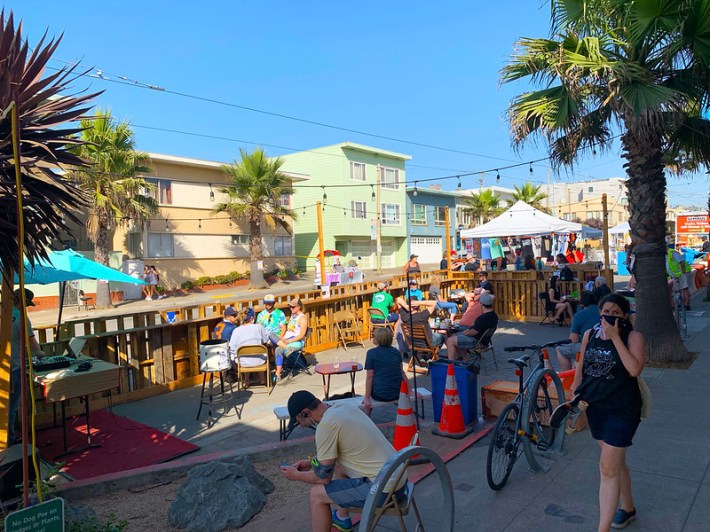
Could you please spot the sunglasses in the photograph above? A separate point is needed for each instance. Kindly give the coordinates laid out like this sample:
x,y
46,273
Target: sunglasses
x,y
292,306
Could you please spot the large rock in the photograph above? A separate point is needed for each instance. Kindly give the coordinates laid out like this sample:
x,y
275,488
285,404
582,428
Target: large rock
x,y
246,469
219,495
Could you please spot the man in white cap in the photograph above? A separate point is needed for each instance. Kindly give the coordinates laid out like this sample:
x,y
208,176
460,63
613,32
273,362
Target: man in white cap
x,y
272,319
350,451
468,339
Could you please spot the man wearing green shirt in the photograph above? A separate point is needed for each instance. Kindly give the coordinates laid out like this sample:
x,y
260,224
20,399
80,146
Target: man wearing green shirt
x,y
383,301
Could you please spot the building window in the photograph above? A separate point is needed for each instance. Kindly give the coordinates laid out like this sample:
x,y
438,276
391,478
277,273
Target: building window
x,y
283,246
162,191
240,240
590,189
358,209
286,201
440,216
160,245
357,171
390,178
390,214
565,216
418,214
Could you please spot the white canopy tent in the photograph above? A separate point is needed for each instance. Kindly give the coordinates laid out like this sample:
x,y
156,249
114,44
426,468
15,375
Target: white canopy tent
x,y
522,220
620,229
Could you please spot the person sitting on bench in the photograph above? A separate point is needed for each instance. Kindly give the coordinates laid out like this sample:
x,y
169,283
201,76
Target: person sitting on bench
x,y
383,366
469,339
350,452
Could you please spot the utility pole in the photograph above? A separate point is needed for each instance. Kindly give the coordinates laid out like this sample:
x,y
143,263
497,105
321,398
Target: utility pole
x,y
448,239
378,227
605,232
321,254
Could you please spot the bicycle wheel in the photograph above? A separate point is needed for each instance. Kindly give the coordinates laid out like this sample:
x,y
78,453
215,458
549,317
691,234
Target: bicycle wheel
x,y
539,403
503,447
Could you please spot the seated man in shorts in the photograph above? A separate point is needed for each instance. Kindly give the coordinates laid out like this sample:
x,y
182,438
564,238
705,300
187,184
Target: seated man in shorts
x,y
468,339
350,451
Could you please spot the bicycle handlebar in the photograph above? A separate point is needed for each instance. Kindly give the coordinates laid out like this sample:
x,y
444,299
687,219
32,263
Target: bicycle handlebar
x,y
536,347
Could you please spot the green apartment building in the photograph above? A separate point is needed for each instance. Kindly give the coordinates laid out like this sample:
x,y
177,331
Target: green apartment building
x,y
347,175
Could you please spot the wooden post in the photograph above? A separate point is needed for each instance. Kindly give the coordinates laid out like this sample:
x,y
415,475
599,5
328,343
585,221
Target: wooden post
x,y
378,226
448,240
321,255
605,232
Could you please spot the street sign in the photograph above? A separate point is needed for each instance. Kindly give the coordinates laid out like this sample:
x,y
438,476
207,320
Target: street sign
x,y
45,517
373,232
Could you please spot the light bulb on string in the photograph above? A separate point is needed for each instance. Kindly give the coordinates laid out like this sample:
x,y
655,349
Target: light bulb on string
x,y
211,193
230,222
373,191
167,227
531,170
415,189
458,187
199,224
325,196
497,176
304,211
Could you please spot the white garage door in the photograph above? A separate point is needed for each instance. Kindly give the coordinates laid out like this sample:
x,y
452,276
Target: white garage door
x,y
361,251
428,248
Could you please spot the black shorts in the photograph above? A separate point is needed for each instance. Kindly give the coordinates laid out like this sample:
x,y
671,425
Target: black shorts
x,y
611,428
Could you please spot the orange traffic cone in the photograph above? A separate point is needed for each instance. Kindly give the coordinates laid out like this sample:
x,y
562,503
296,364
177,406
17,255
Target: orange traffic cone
x,y
451,424
405,429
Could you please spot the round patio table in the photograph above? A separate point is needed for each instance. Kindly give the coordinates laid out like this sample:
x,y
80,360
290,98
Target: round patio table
x,y
326,370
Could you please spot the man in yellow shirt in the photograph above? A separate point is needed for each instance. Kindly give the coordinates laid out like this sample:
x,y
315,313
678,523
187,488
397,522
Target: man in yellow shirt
x,y
351,450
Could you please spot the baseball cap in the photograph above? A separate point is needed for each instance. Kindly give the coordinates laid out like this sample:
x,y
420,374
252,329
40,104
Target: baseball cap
x,y
29,296
413,281
297,402
381,285
486,299
230,311
295,301
269,298
412,256
249,314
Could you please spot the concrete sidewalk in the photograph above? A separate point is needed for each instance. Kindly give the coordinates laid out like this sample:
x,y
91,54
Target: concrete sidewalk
x,y
669,464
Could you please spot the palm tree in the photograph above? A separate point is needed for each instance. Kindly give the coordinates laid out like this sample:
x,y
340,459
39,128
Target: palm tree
x,y
531,195
255,192
44,107
643,67
114,186
484,205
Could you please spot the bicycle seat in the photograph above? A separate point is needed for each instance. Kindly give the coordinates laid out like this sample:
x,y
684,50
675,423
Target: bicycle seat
x,y
520,362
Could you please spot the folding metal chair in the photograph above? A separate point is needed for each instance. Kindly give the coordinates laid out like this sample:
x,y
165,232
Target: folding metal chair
x,y
349,328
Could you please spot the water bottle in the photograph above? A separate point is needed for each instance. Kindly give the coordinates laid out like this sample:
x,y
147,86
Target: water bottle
x,y
336,363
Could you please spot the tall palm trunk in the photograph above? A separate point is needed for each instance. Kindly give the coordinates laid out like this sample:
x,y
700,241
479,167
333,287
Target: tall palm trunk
x,y
647,192
101,251
256,276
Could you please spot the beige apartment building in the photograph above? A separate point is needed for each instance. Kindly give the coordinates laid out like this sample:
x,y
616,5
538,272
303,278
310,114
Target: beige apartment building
x,y
185,240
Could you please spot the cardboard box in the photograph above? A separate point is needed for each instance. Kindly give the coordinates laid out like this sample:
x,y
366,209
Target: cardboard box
x,y
496,395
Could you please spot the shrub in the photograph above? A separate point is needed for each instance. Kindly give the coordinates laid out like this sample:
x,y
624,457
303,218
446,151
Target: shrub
x,y
220,279
187,285
202,281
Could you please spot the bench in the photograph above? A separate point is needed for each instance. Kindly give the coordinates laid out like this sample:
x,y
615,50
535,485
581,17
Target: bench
x,y
281,412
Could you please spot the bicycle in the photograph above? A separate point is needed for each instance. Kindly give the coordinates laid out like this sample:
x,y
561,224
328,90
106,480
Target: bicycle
x,y
525,420
680,315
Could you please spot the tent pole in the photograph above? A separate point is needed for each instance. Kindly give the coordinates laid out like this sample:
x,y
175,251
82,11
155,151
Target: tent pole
x,y
62,290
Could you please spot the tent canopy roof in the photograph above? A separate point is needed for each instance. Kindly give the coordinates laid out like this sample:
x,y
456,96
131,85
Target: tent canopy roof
x,y
522,220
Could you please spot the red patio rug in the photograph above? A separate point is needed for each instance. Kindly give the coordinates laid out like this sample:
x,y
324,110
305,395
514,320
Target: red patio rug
x,y
125,444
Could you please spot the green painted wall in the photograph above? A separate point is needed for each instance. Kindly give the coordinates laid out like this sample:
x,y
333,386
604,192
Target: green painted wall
x,y
329,166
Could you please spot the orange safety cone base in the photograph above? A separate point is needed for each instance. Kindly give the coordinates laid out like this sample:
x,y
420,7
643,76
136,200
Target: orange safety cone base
x,y
455,435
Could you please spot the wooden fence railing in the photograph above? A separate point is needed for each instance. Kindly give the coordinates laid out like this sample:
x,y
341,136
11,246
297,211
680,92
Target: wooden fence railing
x,y
156,356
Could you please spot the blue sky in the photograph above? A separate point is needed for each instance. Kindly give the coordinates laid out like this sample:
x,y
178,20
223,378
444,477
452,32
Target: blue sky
x,y
427,73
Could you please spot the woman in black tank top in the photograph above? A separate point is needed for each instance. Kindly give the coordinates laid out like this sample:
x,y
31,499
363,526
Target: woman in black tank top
x,y
606,379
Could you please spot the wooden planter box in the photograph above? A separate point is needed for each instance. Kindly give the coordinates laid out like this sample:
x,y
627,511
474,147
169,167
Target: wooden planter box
x,y
497,394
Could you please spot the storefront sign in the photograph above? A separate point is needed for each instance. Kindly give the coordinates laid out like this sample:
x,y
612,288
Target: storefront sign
x,y
692,223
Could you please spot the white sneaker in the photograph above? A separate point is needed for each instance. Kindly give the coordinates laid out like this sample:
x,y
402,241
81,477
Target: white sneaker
x,y
160,297
149,299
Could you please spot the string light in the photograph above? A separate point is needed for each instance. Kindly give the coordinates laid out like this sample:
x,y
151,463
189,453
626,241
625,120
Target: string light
x,y
211,193
458,187
167,227
415,189
373,191
497,176
230,222
304,211
531,170
199,224
325,196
